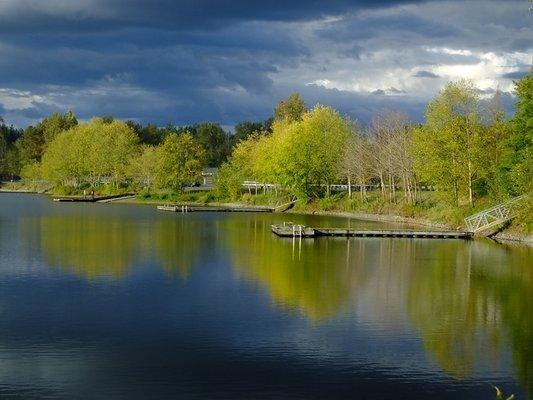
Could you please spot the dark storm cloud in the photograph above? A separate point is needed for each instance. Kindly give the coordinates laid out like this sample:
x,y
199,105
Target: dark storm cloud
x,y
22,16
185,61
360,27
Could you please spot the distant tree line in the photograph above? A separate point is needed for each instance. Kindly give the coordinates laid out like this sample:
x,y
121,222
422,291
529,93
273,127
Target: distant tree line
x,y
465,149
104,150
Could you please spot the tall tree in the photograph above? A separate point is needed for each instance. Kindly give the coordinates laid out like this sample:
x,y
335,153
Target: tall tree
x,y
517,160
239,168
245,129
448,149
497,130
215,142
180,162
307,154
149,134
291,109
90,153
390,134
355,163
30,145
143,169
3,150
55,123
9,158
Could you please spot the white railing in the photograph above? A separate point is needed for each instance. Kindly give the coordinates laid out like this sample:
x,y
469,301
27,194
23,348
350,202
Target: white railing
x,y
493,216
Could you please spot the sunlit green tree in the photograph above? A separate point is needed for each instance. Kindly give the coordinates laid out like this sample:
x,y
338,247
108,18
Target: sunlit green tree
x,y
517,161
449,148
180,162
291,109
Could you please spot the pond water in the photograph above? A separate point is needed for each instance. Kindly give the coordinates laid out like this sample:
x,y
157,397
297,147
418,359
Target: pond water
x,y
122,301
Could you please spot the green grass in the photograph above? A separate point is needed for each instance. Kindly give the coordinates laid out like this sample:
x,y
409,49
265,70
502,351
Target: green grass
x,y
174,197
30,186
429,208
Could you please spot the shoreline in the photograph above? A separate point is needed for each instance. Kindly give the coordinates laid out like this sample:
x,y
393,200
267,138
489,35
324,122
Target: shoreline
x,y
500,237
19,191
378,218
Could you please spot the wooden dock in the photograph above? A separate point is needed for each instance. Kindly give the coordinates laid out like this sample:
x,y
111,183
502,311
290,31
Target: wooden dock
x,y
92,199
291,230
188,208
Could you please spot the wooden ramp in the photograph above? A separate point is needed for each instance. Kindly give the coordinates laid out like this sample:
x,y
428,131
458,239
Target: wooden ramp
x,y
291,230
187,209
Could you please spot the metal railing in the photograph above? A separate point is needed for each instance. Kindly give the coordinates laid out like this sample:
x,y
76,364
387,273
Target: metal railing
x,y
493,216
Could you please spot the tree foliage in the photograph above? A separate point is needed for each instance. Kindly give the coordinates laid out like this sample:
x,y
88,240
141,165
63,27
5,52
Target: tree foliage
x,y
143,169
56,123
215,142
356,161
466,149
90,153
291,109
310,151
245,129
239,168
449,148
517,161
179,162
299,155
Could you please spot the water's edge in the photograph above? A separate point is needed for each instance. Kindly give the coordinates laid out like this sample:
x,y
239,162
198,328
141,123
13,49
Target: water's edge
x,y
500,237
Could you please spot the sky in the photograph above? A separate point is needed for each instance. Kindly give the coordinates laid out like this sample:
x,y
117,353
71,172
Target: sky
x,y
187,61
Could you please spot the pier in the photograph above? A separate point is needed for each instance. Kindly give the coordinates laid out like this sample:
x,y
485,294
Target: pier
x,y
93,199
188,208
292,230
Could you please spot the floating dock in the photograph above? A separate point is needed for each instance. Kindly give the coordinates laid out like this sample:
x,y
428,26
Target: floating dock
x,y
93,199
291,230
187,209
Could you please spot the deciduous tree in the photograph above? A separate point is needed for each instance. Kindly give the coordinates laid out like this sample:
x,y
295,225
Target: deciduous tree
x,y
180,162
449,148
291,109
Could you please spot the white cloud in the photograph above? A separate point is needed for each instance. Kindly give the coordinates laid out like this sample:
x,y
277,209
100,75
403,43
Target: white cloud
x,y
445,50
12,99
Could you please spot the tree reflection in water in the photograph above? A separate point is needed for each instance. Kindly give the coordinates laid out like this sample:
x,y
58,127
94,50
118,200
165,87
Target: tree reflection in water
x,y
88,246
468,301
93,247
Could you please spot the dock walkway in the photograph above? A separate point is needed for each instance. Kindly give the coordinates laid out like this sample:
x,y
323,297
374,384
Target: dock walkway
x,y
93,199
187,208
291,230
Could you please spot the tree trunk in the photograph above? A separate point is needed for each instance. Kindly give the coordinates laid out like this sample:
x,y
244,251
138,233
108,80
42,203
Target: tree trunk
x,y
349,187
470,189
382,184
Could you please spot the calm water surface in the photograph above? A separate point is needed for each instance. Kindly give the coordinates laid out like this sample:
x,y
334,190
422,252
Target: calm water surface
x,y
121,301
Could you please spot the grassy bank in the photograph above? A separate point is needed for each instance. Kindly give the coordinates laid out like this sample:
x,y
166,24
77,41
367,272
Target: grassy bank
x,y
25,187
429,210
